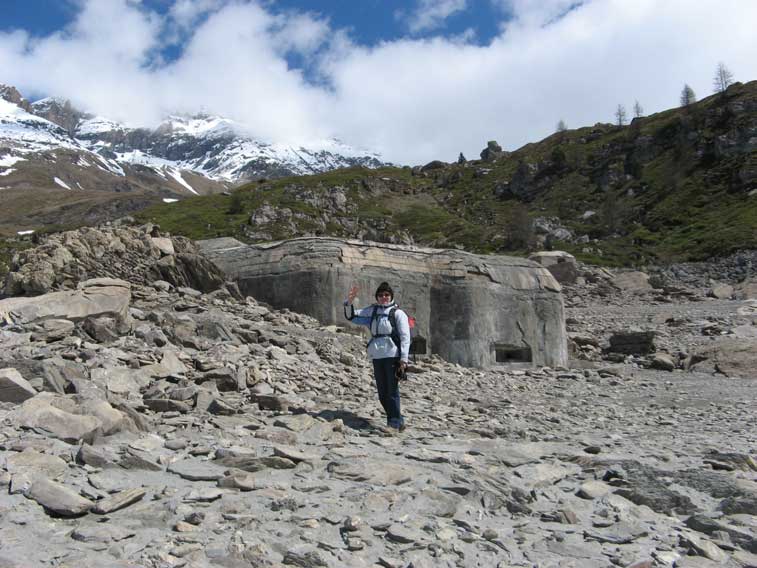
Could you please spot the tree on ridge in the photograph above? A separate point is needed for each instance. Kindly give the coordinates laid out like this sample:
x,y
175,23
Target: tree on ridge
x,y
687,96
620,115
723,78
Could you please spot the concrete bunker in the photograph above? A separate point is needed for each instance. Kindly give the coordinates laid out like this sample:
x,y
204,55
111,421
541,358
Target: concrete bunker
x,y
470,309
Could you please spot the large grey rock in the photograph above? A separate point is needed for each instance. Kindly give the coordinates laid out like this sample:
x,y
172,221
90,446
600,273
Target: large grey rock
x,y
33,464
69,418
59,498
100,296
721,291
13,387
632,282
470,309
731,356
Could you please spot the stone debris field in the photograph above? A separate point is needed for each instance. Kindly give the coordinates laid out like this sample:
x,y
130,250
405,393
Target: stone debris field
x,y
153,422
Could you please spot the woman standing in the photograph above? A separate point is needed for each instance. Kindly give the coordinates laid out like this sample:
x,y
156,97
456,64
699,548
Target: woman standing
x,y
388,347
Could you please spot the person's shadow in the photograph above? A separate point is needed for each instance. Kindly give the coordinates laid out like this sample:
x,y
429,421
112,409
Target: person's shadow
x,y
350,419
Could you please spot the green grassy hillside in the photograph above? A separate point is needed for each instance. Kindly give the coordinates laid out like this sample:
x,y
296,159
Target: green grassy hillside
x,y
677,185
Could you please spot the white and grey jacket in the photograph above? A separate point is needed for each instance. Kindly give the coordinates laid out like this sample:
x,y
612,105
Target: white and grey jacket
x,y
381,345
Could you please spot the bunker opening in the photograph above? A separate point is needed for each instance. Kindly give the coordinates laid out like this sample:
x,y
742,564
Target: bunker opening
x,y
504,353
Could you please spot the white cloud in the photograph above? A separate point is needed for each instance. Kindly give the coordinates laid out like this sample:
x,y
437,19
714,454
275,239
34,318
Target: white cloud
x,y
536,13
414,100
430,14
186,13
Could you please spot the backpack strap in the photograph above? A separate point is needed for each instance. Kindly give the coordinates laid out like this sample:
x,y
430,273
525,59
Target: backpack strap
x,y
370,326
351,315
395,332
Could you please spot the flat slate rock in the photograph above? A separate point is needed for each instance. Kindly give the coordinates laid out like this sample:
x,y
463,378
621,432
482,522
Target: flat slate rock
x,y
372,472
100,533
118,501
14,388
404,535
59,498
197,470
35,464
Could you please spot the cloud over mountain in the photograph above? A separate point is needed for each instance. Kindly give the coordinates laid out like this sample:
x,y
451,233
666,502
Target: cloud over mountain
x,y
293,76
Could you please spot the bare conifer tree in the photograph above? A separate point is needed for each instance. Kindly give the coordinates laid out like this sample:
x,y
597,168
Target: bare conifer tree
x,y
723,78
638,110
561,126
620,115
687,96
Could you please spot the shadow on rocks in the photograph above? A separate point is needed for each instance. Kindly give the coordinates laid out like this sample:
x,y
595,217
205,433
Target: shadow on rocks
x,y
350,419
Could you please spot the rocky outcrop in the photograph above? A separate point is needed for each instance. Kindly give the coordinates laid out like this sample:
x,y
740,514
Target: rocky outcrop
x,y
473,310
11,94
92,298
137,254
492,152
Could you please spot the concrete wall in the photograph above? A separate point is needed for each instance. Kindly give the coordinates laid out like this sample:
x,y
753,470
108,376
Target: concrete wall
x,y
466,305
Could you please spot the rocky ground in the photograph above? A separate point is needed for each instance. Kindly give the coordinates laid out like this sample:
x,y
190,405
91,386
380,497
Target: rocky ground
x,y
154,425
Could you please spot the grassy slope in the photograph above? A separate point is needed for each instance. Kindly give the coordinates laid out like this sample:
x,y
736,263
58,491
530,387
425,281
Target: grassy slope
x,y
675,203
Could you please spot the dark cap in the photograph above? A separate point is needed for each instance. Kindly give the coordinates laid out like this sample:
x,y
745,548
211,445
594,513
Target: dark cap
x,y
384,287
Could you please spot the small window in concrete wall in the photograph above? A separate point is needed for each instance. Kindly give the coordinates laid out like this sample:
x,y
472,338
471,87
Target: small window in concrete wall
x,y
504,353
418,345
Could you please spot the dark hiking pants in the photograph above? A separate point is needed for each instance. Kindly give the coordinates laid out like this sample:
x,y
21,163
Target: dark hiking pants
x,y
388,390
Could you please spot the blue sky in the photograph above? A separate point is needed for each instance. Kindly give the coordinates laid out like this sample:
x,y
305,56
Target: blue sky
x,y
369,21
414,80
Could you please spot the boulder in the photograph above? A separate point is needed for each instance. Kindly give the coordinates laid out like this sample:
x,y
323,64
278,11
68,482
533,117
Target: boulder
x,y
14,388
34,464
733,357
164,244
69,418
97,297
104,329
492,151
58,498
663,361
746,290
53,330
635,282
721,291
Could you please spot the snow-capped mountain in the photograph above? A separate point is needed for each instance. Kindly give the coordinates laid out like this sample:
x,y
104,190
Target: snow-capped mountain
x,y
212,146
49,177
49,149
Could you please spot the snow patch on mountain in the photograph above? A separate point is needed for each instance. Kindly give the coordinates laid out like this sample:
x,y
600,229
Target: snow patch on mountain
x,y
95,125
61,183
27,133
7,161
176,174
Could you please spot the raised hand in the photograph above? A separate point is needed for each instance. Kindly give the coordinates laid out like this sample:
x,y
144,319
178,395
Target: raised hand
x,y
352,294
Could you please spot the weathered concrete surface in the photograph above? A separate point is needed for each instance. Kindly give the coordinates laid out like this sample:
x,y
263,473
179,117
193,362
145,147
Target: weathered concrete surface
x,y
468,307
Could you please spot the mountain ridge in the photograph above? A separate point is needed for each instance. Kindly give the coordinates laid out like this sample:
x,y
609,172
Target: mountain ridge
x,y
677,185
49,150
